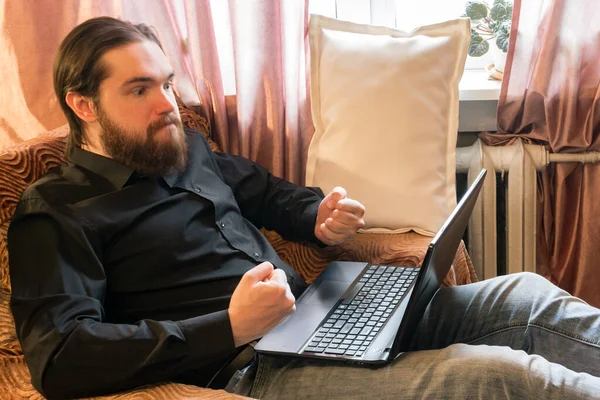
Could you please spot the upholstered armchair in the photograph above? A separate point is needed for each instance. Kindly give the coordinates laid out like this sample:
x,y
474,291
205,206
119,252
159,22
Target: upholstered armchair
x,y
22,164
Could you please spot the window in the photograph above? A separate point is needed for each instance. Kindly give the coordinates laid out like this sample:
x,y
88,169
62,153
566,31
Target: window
x,y
405,15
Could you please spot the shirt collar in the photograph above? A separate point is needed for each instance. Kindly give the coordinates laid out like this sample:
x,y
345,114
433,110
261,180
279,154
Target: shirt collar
x,y
116,173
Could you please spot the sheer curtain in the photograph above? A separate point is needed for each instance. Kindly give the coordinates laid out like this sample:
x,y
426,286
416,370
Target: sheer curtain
x,y
551,94
28,43
258,101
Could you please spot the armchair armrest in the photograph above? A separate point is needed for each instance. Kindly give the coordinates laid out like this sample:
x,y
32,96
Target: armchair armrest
x,y
15,383
174,391
396,249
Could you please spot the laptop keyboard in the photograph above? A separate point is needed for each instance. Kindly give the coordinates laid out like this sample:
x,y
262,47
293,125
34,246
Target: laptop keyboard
x,y
356,320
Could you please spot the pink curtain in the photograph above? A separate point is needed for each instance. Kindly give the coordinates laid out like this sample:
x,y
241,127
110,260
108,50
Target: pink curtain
x,y
202,66
551,94
267,118
28,43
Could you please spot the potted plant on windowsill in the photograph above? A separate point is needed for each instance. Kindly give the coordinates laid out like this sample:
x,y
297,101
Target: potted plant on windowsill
x,y
490,25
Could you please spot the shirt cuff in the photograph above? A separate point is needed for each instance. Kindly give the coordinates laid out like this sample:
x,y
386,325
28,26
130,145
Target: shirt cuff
x,y
208,335
308,221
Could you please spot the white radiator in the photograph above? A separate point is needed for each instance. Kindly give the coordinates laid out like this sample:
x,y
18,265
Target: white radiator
x,y
520,162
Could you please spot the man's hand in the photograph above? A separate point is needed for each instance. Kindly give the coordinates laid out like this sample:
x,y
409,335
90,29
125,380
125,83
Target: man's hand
x,y
259,302
338,217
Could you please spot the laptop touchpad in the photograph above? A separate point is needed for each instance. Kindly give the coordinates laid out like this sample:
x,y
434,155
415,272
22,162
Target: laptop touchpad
x,y
292,333
325,294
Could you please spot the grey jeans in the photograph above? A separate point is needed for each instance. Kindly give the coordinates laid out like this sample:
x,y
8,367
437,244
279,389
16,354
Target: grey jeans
x,y
515,336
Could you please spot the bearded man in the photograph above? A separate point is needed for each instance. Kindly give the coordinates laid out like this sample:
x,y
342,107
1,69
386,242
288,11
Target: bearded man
x,y
149,265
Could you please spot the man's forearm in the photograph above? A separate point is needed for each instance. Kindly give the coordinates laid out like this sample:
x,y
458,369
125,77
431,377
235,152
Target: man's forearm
x,y
98,358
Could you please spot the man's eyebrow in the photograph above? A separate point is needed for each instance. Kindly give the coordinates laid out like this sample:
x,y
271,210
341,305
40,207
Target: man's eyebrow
x,y
142,79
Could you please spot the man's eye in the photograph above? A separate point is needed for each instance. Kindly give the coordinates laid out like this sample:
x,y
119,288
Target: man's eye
x,y
168,85
139,91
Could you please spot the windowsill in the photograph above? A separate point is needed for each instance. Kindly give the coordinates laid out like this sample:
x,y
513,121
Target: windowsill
x,y
476,85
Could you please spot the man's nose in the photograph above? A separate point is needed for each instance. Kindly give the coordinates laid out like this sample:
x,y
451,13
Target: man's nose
x,y
165,103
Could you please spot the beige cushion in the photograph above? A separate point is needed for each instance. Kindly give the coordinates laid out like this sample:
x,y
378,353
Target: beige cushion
x,y
385,110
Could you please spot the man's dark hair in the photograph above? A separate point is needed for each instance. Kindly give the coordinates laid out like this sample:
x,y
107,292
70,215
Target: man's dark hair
x,y
77,67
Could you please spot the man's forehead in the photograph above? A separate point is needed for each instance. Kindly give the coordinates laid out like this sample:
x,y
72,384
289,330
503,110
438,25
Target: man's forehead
x,y
138,59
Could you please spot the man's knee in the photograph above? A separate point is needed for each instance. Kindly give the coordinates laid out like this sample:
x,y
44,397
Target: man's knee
x,y
531,278
530,283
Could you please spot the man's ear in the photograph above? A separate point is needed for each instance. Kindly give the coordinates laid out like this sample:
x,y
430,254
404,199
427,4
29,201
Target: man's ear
x,y
82,106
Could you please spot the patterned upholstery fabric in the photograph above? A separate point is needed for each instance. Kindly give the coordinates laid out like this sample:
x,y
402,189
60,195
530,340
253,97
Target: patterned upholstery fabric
x,y
22,164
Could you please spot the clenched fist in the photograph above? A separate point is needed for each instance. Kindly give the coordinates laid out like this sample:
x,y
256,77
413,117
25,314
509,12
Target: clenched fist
x,y
339,217
259,303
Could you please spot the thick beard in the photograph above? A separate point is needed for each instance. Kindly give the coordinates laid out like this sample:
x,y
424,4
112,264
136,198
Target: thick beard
x,y
147,157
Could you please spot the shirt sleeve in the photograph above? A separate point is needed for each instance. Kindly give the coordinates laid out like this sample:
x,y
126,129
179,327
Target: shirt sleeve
x,y
58,288
269,201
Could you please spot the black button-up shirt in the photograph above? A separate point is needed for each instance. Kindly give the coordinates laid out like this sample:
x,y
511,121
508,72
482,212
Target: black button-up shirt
x,y
120,280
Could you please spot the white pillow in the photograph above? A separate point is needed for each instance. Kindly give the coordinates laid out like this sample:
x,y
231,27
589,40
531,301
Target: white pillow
x,y
385,111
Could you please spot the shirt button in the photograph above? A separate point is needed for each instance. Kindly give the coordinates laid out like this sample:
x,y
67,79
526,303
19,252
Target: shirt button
x,y
197,190
221,224
256,255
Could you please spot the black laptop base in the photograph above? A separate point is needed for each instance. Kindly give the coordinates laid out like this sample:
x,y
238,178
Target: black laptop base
x,y
355,322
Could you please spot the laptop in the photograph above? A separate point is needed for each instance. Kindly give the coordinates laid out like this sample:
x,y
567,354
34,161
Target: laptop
x,y
363,313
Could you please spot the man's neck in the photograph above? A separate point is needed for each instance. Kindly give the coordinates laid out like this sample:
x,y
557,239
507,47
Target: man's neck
x,y
93,144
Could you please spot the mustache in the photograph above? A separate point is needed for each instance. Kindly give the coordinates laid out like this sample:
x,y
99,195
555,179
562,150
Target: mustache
x,y
160,123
